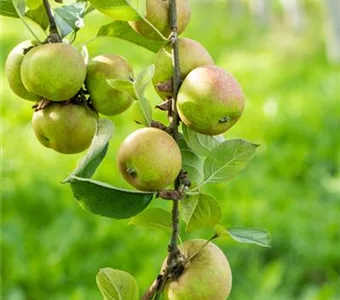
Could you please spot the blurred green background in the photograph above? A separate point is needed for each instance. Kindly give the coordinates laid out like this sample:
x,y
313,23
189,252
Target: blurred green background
x,y
52,249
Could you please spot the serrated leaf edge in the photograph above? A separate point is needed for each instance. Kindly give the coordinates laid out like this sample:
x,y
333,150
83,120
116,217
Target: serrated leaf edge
x,y
206,180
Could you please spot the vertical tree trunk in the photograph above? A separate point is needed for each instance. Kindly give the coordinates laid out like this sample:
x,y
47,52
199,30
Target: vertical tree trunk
x,y
333,31
261,11
294,13
235,7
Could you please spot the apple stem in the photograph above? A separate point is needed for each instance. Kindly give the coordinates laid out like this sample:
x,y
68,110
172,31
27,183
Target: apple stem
x,y
54,35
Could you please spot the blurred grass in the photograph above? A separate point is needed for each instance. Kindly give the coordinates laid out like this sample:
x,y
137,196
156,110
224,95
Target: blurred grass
x,y
52,249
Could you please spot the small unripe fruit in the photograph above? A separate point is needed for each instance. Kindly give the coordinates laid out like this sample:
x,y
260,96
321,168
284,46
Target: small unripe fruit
x,y
105,99
206,277
66,128
149,159
210,100
157,13
53,71
191,55
12,70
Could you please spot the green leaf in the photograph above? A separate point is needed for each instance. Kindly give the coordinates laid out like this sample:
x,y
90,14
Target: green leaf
x,y
96,152
117,285
146,110
16,9
20,7
39,16
200,143
191,162
153,217
251,236
139,5
116,9
125,86
143,79
124,11
136,89
107,288
70,17
227,160
259,237
7,9
122,30
33,4
138,115
200,211
105,200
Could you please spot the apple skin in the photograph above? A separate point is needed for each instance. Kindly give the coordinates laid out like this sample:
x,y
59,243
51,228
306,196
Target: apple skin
x,y
105,99
157,13
191,55
53,71
12,70
210,100
66,128
207,276
149,159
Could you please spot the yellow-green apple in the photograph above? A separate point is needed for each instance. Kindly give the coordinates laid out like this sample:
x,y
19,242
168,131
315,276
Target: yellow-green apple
x,y
106,99
210,100
149,159
12,70
66,128
158,14
207,276
53,71
191,55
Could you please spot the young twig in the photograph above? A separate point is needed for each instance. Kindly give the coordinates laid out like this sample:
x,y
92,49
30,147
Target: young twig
x,y
54,36
175,261
174,253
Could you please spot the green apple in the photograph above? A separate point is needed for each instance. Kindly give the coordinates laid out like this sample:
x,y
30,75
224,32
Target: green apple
x,y
210,100
191,55
53,71
207,276
157,13
105,99
12,71
149,159
66,128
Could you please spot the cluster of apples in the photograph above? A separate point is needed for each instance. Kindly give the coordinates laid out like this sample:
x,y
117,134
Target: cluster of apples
x,y
55,75
210,100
